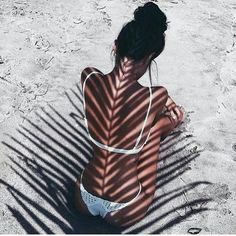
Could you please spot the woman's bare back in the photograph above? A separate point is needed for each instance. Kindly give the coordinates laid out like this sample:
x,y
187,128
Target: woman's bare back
x,y
116,111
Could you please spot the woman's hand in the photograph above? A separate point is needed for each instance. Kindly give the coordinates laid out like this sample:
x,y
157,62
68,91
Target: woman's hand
x,y
175,112
170,104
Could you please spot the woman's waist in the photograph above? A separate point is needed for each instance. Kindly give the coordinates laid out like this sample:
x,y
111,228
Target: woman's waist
x,y
118,185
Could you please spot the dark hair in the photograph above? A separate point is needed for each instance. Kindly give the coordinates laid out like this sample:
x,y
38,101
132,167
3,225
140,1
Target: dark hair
x,y
143,35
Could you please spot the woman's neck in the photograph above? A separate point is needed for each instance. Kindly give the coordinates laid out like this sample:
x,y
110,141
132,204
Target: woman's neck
x,y
123,73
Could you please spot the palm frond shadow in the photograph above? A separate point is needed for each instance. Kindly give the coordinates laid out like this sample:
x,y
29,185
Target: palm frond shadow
x,y
49,155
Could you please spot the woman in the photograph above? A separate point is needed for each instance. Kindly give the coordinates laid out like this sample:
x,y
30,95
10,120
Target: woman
x,y
125,122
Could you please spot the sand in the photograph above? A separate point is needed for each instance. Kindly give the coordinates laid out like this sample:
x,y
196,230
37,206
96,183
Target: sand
x,y
44,45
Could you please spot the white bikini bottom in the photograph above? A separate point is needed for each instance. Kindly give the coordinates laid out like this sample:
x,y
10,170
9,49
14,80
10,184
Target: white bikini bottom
x,y
99,206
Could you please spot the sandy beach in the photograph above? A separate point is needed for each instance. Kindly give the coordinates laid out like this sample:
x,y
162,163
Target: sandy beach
x,y
44,46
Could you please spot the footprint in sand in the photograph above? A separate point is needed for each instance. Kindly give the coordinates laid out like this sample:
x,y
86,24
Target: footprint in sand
x,y
18,11
218,192
234,147
1,60
39,42
233,29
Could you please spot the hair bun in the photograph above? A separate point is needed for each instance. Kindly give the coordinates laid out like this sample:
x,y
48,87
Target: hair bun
x,y
150,17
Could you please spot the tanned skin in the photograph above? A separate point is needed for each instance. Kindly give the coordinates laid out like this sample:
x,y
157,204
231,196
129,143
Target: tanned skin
x,y
116,105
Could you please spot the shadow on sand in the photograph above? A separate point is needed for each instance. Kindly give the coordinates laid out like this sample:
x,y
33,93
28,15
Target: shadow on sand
x,y
49,155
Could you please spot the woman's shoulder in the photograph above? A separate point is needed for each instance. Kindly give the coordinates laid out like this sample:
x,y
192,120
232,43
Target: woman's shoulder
x,y
156,89
86,71
90,69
